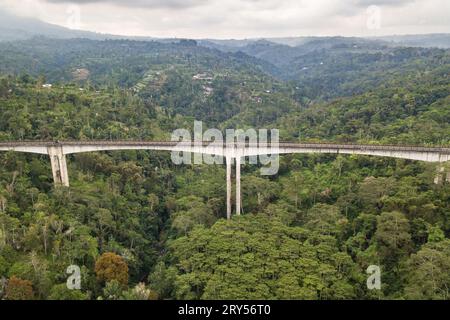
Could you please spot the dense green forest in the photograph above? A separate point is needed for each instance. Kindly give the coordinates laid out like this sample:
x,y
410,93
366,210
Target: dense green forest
x,y
141,227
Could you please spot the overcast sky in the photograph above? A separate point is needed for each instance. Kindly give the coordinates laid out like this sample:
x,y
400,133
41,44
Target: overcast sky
x,y
241,18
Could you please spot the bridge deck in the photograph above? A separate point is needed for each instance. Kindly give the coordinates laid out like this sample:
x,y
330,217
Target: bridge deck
x,y
57,152
289,145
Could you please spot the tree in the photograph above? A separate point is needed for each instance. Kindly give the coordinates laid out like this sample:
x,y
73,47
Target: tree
x,y
18,289
113,290
429,272
153,202
325,219
140,292
257,192
61,292
162,280
191,211
373,192
392,236
3,267
435,234
283,211
41,278
104,223
111,267
293,188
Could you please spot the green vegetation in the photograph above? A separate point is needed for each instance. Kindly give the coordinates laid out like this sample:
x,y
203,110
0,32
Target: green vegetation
x,y
143,228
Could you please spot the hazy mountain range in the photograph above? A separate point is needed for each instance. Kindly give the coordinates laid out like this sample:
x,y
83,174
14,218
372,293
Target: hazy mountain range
x,y
21,28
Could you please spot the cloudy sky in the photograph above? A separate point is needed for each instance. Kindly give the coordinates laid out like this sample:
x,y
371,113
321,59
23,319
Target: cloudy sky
x,y
241,18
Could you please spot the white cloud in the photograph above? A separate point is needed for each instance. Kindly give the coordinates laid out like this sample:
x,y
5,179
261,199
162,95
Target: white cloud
x,y
242,18
171,4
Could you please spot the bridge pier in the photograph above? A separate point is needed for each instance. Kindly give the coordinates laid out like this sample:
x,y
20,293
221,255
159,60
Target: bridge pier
x,y
228,161
238,185
59,166
441,175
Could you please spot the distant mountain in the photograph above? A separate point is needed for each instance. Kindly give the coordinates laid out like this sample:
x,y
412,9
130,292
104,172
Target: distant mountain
x,y
282,52
438,40
287,41
22,28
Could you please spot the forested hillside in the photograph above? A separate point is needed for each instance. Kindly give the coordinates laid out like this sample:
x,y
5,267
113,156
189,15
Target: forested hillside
x,y
331,67
141,227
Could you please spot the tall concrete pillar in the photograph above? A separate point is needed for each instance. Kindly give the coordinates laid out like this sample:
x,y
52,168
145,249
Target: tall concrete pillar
x,y
228,160
439,177
238,185
59,166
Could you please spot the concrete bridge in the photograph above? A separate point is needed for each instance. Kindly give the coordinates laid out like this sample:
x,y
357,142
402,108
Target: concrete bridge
x,y
57,152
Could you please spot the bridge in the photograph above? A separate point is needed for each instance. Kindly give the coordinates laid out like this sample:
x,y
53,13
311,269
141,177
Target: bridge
x,y
232,152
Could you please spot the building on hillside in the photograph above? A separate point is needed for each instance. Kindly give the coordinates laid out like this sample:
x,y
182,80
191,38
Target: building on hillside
x,y
202,76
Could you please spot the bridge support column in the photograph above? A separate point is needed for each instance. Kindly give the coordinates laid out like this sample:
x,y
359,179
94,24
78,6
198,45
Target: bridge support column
x,y
59,166
228,161
238,185
441,175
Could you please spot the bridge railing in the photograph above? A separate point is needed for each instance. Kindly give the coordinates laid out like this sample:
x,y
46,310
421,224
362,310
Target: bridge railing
x,y
293,145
